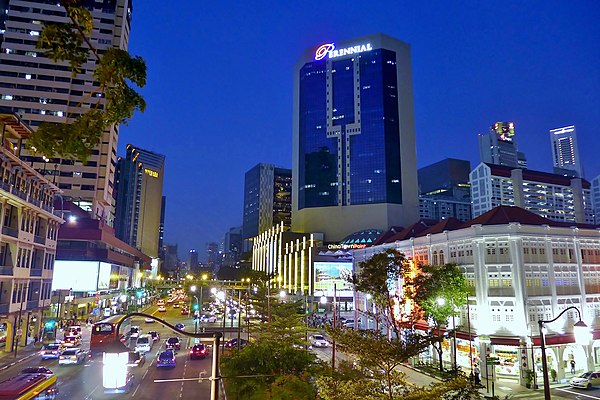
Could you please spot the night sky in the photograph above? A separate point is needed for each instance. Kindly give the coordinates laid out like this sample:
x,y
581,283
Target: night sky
x,y
220,79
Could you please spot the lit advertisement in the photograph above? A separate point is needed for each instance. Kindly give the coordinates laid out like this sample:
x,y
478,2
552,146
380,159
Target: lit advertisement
x,y
329,50
81,276
504,130
329,273
104,276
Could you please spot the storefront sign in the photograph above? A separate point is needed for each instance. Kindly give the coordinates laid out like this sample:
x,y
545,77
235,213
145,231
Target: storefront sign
x,y
346,246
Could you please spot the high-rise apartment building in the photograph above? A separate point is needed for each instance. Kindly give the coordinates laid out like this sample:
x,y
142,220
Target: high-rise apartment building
x,y
499,146
232,246
213,257
565,152
267,200
139,199
596,199
40,90
354,158
552,196
193,261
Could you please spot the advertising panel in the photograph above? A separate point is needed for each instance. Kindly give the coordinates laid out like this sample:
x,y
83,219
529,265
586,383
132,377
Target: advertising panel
x,y
81,276
329,273
104,276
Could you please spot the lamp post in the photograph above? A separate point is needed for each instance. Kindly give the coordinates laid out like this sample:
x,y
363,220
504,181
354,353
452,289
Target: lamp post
x,y
193,289
581,333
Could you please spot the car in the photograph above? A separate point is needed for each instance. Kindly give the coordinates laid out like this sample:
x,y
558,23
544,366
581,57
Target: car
x,y
176,305
51,350
348,323
173,343
72,356
233,343
162,309
144,343
126,388
37,370
198,351
180,327
185,311
154,335
136,359
72,341
160,302
135,331
166,359
208,318
75,328
586,380
149,320
319,341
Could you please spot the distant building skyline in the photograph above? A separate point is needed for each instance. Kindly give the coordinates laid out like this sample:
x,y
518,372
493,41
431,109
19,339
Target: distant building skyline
x,y
499,146
565,151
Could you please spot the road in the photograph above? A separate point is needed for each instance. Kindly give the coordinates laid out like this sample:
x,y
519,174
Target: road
x,y
85,381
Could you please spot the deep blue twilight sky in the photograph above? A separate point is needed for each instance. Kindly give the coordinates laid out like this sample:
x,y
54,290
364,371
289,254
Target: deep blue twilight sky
x,y
219,88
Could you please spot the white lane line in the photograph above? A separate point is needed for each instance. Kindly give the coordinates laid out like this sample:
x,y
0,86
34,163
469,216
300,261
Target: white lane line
x,y
136,389
578,393
89,397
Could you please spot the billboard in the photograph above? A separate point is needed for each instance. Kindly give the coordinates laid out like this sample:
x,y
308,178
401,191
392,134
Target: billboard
x,y
104,276
329,273
80,276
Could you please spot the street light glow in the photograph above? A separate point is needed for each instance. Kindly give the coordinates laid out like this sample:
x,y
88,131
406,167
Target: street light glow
x,y
193,288
441,301
282,294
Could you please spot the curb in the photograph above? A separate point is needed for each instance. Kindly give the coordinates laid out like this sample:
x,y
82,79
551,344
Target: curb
x,y
421,372
18,361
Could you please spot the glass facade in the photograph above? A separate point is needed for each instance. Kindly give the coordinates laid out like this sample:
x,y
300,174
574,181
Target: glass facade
x,y
360,150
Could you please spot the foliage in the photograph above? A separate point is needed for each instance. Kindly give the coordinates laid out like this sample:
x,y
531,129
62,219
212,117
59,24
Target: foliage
x,y
292,387
382,277
439,291
112,102
528,375
266,359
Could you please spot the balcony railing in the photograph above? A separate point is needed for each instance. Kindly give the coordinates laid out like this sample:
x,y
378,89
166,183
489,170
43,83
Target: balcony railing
x,y
7,230
33,304
36,272
39,239
5,270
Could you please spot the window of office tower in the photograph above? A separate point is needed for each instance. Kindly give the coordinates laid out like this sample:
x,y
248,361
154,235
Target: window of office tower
x,y
317,173
375,152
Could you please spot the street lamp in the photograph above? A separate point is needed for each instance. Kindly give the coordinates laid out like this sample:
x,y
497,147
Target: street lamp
x,y
582,337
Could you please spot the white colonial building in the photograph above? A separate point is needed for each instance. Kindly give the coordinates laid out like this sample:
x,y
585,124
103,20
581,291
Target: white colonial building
x,y
521,268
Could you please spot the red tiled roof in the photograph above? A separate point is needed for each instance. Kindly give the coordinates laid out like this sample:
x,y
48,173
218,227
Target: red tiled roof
x,y
536,176
406,233
449,224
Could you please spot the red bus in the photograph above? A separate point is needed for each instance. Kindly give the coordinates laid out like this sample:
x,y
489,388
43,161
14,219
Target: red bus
x,y
29,387
105,332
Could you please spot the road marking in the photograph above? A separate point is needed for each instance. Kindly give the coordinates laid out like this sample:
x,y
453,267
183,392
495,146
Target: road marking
x,y
578,393
89,397
136,389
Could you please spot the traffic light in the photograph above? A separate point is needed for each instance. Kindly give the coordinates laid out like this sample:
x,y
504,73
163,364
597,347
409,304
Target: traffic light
x,y
50,324
139,294
196,307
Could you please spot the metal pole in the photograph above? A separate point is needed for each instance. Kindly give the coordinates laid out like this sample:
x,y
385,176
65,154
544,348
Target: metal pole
x,y
239,317
544,362
196,318
224,312
216,373
454,344
470,338
334,326
16,340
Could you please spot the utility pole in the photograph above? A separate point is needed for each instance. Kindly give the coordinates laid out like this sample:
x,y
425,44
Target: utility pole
x,y
335,327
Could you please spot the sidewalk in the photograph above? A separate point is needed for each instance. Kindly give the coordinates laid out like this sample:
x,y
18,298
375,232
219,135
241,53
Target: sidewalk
x,y
7,360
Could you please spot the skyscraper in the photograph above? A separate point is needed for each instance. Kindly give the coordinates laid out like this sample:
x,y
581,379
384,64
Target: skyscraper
x,y
193,261
354,158
139,199
40,90
499,146
267,200
565,152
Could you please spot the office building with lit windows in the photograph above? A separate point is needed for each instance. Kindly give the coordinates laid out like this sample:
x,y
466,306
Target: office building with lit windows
x,y
267,200
354,158
565,151
499,146
139,210
40,90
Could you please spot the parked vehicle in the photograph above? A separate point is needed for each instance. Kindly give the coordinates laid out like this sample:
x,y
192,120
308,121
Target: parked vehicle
x,y
319,341
586,380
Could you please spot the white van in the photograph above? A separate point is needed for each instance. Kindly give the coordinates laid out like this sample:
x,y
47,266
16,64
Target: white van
x,y
144,344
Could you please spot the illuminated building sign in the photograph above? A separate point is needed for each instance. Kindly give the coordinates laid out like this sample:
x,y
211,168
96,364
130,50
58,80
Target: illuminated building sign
x,y
329,50
153,174
346,246
504,130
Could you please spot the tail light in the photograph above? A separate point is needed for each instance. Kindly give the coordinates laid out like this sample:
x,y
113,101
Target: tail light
x,y
61,357
55,352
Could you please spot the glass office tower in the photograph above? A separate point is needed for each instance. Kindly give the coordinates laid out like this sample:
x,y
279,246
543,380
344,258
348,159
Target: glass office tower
x,y
354,139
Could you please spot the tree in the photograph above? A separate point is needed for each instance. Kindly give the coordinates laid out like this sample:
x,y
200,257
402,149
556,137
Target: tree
x,y
439,291
265,366
382,277
112,102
